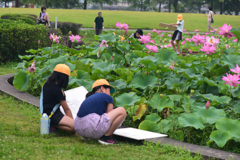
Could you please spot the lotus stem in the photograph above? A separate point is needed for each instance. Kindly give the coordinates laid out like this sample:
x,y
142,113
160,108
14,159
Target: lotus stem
x,y
204,126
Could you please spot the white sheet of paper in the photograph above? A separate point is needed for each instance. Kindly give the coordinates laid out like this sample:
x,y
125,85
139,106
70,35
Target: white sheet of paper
x,y
137,134
74,98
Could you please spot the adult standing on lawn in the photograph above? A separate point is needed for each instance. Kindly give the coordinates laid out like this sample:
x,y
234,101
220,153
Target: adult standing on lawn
x,y
210,19
98,23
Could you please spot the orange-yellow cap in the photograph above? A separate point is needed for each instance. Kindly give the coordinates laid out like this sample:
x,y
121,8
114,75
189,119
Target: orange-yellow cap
x,y
62,68
179,17
101,82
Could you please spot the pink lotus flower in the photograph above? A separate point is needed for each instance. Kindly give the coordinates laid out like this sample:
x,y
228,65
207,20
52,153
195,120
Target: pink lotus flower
x,y
74,39
154,30
144,39
207,49
162,35
183,42
188,33
170,35
212,31
123,26
196,30
111,58
104,44
39,41
232,80
190,51
166,31
169,45
236,70
152,41
152,48
227,46
188,39
159,32
32,68
198,39
184,30
206,33
235,40
54,37
212,41
149,34
215,30
224,30
207,105
172,66
164,46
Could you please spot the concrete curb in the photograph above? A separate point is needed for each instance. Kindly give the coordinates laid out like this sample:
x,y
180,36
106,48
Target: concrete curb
x,y
7,88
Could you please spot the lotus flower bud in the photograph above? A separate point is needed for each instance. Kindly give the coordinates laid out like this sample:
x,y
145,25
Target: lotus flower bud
x,y
132,64
112,58
147,73
70,32
207,105
161,95
39,41
192,91
158,71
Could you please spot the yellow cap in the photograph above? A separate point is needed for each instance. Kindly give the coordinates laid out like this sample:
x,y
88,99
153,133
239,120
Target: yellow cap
x,y
179,17
101,82
62,68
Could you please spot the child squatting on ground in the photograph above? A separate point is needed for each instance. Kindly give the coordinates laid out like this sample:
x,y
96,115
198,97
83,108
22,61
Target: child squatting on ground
x,y
53,94
96,118
177,35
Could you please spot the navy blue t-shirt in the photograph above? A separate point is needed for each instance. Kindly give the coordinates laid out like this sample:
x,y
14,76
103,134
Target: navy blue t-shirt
x,y
96,103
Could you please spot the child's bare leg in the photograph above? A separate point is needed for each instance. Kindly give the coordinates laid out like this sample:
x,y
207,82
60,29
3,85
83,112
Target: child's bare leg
x,y
178,46
66,124
172,42
117,116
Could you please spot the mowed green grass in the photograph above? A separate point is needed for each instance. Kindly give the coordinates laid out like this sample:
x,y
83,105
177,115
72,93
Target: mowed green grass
x,y
144,20
20,138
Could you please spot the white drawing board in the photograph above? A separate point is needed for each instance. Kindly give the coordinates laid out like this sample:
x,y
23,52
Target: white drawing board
x,y
74,98
137,134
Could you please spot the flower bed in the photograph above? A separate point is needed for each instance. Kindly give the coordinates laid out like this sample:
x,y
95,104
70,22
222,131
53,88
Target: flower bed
x,y
189,98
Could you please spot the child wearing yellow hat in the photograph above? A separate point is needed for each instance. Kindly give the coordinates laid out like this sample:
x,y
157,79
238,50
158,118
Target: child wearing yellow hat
x,y
177,35
96,118
53,95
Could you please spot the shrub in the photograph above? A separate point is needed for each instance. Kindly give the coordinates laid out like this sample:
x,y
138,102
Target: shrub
x,y
27,18
16,39
65,27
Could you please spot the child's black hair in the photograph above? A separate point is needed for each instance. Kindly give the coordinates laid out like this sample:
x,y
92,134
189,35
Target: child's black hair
x,y
43,8
59,78
140,31
210,8
95,89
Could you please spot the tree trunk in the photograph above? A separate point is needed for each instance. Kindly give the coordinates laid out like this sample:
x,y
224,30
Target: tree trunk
x,y
160,4
85,4
141,5
17,3
169,6
175,5
45,3
66,4
237,7
212,3
5,4
221,8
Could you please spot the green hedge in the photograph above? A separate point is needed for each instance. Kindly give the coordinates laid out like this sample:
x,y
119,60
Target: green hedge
x,y
17,37
65,27
27,18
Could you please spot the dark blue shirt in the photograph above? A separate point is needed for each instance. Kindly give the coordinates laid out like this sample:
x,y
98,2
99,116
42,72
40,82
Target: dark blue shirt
x,y
96,103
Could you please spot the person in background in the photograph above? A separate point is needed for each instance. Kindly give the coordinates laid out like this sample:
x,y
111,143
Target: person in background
x,y
137,34
53,94
43,18
210,19
98,23
177,35
96,118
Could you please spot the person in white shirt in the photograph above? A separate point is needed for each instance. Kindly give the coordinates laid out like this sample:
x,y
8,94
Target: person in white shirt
x,y
177,35
210,19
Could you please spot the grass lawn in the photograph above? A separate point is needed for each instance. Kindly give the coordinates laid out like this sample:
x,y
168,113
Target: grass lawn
x,y
8,68
144,20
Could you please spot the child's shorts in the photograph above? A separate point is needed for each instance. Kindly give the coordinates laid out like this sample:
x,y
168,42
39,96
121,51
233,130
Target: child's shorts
x,y
92,126
177,35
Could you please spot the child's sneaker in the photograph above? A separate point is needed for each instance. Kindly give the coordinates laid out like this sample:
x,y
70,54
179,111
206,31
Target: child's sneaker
x,y
107,140
178,53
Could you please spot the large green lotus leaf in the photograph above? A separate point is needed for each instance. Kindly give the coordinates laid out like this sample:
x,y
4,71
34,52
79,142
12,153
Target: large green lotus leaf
x,y
216,99
236,32
127,99
165,56
236,108
161,103
129,57
165,125
154,117
175,97
110,37
231,60
140,53
117,59
146,60
82,75
105,67
211,115
106,56
149,126
174,82
191,120
131,111
125,74
123,47
220,138
72,80
86,84
143,81
51,63
208,81
140,112
189,73
187,104
82,66
22,81
27,57
178,135
232,127
119,84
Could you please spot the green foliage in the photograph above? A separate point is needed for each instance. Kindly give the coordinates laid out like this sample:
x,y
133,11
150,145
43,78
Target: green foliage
x,y
236,32
27,18
65,27
22,80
